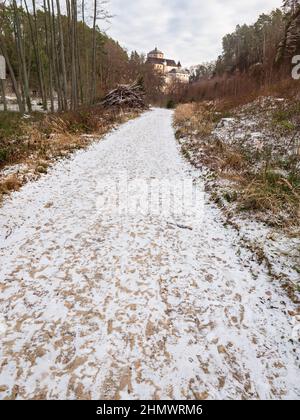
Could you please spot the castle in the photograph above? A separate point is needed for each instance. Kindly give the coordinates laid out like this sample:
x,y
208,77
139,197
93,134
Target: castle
x,y
171,70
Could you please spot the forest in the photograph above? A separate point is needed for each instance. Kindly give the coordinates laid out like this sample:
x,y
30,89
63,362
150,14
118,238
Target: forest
x,y
57,52
255,59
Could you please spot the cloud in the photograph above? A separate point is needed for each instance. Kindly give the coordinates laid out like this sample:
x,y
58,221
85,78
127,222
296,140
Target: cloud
x,y
186,30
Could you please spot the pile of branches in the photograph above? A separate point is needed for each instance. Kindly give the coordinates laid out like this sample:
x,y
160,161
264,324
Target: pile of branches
x,y
126,96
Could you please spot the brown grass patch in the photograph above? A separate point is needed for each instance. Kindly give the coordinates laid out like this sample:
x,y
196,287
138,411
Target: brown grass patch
x,y
233,160
195,117
256,178
41,139
11,183
269,191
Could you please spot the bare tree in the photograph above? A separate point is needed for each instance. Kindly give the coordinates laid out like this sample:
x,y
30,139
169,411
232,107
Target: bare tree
x,y
36,48
47,26
12,76
21,55
62,57
100,13
3,95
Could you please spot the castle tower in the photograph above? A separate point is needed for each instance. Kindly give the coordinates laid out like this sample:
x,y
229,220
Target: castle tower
x,y
156,54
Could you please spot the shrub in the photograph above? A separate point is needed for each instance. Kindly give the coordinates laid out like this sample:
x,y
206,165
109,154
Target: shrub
x,y
3,155
12,183
10,125
170,104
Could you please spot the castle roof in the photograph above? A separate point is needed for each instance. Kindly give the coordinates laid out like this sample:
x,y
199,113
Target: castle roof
x,y
179,71
156,51
169,63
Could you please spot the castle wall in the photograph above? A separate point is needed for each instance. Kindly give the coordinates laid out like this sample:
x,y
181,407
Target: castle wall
x,y
169,68
161,56
159,67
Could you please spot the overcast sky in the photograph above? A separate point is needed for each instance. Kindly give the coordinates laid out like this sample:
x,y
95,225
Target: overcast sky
x,y
186,30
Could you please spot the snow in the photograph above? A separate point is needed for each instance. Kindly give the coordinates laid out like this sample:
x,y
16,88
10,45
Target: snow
x,y
253,129
2,325
134,306
13,170
36,105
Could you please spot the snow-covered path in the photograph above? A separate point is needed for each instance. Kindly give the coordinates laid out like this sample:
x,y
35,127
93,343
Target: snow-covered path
x,y
133,307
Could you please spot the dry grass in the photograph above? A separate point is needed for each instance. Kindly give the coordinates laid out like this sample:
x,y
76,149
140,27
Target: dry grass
x,y
184,113
232,160
269,191
256,180
11,183
19,137
41,139
195,117
239,88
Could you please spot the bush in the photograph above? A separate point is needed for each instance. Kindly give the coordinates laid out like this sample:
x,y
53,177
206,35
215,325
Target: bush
x,y
10,125
3,155
170,104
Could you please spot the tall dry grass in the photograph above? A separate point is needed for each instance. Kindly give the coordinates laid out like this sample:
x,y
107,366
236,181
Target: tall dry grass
x,y
41,139
195,117
256,184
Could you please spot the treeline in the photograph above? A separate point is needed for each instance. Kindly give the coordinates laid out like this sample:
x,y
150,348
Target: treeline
x,y
56,51
254,57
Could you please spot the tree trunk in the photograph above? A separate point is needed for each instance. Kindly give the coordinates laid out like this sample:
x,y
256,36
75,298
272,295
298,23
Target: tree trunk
x,y
34,38
13,77
3,95
39,61
25,85
77,57
62,57
73,56
93,78
50,62
86,65
55,58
